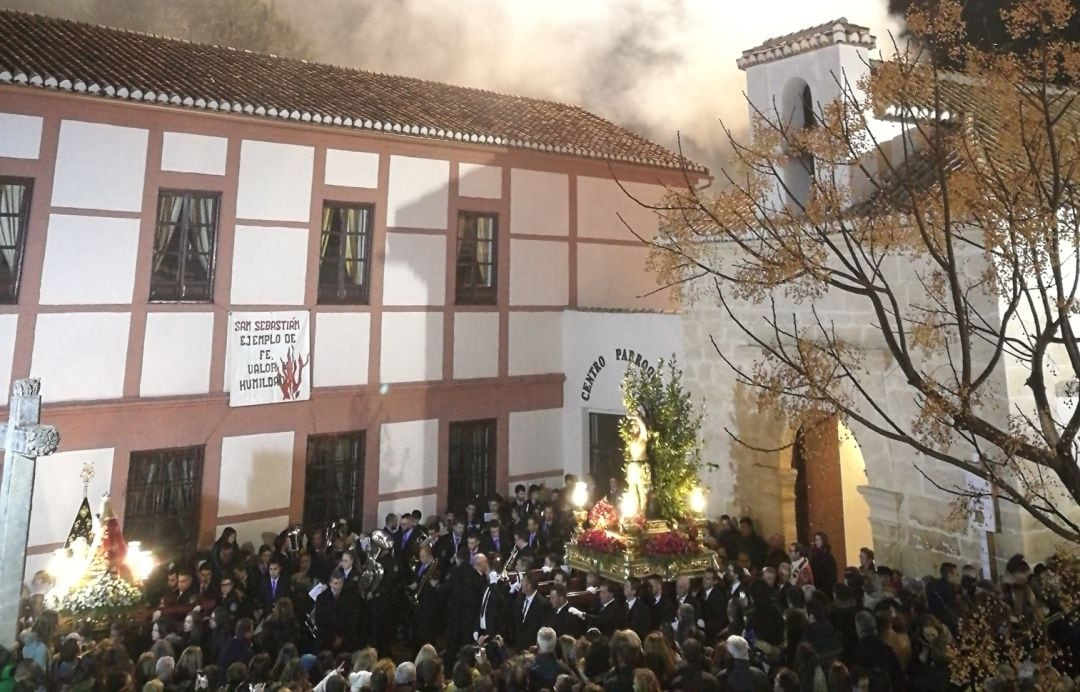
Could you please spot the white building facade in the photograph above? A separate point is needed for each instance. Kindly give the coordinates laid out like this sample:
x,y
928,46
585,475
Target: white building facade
x,y
451,283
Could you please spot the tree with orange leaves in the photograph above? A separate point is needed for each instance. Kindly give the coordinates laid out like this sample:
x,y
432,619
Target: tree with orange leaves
x,y
938,196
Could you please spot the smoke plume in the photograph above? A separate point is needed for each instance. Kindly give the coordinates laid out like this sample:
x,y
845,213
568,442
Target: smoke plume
x,y
656,67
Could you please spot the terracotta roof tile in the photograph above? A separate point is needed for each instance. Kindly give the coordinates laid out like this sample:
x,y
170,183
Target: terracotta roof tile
x,y
837,31
83,58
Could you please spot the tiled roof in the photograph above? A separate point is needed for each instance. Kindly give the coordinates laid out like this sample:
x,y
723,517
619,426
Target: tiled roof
x,y
99,61
836,31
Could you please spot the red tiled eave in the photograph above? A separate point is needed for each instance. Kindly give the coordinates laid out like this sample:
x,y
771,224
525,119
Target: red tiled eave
x,y
50,53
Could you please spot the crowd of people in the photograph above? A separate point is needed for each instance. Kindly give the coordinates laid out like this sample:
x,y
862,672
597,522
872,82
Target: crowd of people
x,y
482,600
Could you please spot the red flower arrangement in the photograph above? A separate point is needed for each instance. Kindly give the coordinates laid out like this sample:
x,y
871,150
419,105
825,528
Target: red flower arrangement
x,y
635,524
598,541
670,543
603,515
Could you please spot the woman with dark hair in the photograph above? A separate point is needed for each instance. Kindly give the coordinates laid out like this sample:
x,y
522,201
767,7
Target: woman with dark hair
x,y
659,658
807,666
224,555
280,628
221,624
1017,592
188,668
823,564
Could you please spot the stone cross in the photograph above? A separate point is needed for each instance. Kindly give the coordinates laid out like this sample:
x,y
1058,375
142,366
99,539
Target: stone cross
x,y
24,440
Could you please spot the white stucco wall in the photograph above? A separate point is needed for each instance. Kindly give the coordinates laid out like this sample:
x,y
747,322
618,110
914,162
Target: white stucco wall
x,y
476,344
20,136
412,346
601,201
352,168
408,455
99,167
176,353
191,153
269,265
275,181
476,180
617,277
8,331
256,473
414,269
539,202
81,355
67,278
534,441
535,343
419,192
539,272
342,342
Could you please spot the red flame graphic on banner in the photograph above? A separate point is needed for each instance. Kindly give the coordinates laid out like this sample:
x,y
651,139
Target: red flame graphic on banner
x,y
291,374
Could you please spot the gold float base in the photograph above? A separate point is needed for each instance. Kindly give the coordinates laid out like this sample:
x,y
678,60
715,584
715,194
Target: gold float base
x,y
633,563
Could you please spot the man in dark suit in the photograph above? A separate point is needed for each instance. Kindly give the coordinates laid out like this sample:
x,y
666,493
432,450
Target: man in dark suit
x,y
533,536
490,615
336,610
713,598
610,617
273,586
685,594
639,614
521,544
551,529
531,611
663,606
463,590
408,541
560,618
449,545
496,546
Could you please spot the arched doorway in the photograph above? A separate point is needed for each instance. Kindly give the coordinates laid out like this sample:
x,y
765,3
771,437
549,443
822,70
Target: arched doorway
x,y
829,469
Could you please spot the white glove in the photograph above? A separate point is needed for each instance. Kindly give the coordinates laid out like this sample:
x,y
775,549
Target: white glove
x,y
515,587
701,623
576,612
675,624
365,543
197,609
546,569
493,577
157,614
591,589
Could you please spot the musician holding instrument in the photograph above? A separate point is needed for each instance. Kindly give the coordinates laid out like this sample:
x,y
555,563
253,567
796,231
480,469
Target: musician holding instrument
x,y
335,616
427,621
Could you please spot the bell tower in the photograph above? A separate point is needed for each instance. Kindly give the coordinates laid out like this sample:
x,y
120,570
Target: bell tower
x,y
788,78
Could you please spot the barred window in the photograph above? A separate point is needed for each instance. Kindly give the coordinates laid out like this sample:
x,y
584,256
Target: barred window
x,y
334,479
344,255
476,259
184,242
472,462
14,216
164,489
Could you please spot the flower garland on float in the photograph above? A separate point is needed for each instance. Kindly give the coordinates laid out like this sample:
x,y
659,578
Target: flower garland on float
x,y
97,575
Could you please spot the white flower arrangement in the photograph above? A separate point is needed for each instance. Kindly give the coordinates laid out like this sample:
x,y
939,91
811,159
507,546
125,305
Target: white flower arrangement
x,y
107,592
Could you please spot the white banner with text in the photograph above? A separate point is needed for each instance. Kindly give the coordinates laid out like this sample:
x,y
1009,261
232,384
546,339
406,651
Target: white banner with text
x,y
269,357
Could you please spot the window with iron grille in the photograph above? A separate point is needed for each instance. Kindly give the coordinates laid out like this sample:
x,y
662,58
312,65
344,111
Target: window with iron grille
x,y
14,215
344,255
184,242
164,489
472,462
334,479
476,259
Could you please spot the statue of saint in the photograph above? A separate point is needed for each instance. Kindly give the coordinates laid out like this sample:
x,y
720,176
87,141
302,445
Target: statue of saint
x,y
638,472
